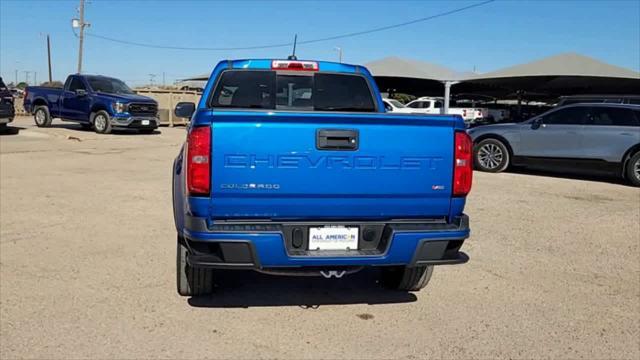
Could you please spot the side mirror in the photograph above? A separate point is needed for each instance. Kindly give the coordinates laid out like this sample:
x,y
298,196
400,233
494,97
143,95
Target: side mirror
x,y
388,108
81,92
185,109
536,123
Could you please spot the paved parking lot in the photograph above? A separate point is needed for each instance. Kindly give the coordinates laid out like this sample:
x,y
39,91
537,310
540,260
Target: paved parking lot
x,y
87,269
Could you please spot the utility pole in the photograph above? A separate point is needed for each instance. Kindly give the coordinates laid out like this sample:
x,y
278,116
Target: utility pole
x,y
49,58
80,24
26,76
152,79
35,78
163,82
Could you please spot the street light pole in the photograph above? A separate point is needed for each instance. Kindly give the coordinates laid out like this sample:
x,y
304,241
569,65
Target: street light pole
x,y
49,58
339,50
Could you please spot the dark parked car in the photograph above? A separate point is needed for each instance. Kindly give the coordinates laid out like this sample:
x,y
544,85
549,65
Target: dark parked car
x,y
100,102
597,138
7,111
595,99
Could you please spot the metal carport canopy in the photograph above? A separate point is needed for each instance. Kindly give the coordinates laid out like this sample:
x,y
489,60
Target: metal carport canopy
x,y
563,74
415,77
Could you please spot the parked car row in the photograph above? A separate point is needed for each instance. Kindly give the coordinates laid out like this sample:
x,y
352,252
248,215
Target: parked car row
x,y
600,138
598,134
472,115
435,105
98,102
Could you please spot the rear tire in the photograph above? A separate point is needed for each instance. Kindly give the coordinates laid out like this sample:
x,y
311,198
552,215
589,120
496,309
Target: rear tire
x,y
406,278
191,281
41,116
491,155
633,169
101,122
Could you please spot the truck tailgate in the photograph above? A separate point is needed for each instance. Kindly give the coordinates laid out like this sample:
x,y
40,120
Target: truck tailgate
x,y
269,165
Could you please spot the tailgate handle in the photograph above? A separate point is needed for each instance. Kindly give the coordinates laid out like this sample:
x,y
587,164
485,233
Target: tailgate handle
x,y
327,139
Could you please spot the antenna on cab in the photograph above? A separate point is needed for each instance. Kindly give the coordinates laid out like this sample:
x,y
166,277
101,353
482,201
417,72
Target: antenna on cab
x,y
293,55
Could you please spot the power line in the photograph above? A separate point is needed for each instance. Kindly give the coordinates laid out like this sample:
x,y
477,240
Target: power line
x,y
270,46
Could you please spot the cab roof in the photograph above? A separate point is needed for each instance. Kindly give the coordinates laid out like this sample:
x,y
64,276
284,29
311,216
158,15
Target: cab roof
x,y
322,66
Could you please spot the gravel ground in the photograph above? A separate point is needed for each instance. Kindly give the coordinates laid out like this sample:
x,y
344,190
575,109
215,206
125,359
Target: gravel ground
x,y
87,269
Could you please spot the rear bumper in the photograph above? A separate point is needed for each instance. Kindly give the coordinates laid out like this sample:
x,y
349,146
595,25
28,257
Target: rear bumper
x,y
264,245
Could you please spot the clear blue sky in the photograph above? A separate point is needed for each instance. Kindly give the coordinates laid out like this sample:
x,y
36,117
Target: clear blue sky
x,y
490,37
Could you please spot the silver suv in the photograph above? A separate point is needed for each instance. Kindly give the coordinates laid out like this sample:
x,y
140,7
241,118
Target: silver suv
x,y
597,138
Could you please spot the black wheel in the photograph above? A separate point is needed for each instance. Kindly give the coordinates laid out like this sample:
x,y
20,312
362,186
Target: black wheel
x,y
146,131
192,281
101,122
3,127
633,169
41,116
491,155
406,278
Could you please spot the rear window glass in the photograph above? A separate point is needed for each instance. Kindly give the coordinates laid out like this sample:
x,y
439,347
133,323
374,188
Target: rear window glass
x,y
396,103
244,89
613,117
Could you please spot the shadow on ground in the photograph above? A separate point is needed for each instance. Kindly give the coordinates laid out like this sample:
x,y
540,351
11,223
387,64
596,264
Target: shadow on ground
x,y
78,127
609,179
11,130
243,289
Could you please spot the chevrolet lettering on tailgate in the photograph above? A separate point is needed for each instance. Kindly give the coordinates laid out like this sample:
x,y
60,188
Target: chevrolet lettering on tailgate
x,y
332,162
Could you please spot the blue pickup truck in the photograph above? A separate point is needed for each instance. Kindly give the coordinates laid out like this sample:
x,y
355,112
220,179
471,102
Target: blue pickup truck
x,y
294,168
97,102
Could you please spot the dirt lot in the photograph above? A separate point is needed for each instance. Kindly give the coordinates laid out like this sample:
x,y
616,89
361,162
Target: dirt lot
x,y
87,265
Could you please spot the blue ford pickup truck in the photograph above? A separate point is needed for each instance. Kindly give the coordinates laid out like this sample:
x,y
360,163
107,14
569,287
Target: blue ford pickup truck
x,y
97,102
293,167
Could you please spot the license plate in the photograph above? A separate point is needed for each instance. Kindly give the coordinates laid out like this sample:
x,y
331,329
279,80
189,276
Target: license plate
x,y
333,238
145,122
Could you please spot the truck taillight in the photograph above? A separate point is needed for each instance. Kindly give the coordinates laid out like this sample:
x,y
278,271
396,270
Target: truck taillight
x,y
294,65
198,157
464,112
462,165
